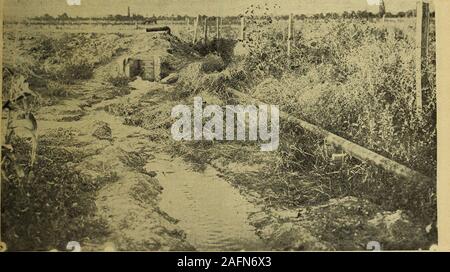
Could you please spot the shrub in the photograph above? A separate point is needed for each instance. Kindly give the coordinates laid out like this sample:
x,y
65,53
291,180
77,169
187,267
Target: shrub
x,y
52,205
72,57
355,79
119,81
74,71
212,63
221,47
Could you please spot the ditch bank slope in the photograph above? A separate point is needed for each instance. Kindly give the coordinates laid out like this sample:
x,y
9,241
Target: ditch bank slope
x,y
344,223
158,194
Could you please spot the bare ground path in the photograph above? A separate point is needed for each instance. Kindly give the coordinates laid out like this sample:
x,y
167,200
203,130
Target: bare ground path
x,y
129,200
150,201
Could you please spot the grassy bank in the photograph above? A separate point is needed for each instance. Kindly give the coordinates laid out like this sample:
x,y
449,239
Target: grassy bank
x,y
52,63
52,203
353,79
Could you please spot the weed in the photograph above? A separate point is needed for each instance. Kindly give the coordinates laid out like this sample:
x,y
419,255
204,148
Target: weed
x,y
52,205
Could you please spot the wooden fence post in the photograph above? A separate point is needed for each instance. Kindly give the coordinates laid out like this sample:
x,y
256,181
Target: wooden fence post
x,y
218,28
205,30
290,35
242,35
194,40
422,30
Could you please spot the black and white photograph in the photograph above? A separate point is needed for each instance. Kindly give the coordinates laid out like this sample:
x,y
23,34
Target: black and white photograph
x,y
219,126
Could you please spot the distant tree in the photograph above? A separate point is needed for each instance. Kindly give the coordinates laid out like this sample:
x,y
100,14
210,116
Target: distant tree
x,y
63,16
297,17
401,14
362,14
411,13
137,17
119,17
47,17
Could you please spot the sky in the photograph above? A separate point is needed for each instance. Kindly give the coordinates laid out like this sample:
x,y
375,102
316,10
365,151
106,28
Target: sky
x,y
91,8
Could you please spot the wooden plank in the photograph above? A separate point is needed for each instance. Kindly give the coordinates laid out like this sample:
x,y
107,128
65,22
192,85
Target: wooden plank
x,y
147,69
348,147
131,67
422,31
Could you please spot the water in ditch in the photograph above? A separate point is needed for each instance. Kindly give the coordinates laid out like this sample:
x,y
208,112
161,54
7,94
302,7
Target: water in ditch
x,y
212,213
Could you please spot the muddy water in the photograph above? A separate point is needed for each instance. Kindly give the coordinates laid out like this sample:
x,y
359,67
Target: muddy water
x,y
211,212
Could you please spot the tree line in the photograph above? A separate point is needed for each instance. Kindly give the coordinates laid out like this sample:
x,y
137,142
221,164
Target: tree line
x,y
361,14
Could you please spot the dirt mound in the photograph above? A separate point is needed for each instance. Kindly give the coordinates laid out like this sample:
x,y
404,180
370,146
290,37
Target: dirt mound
x,y
173,54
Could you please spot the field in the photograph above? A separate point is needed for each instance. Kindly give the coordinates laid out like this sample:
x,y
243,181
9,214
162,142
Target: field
x,y
88,171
